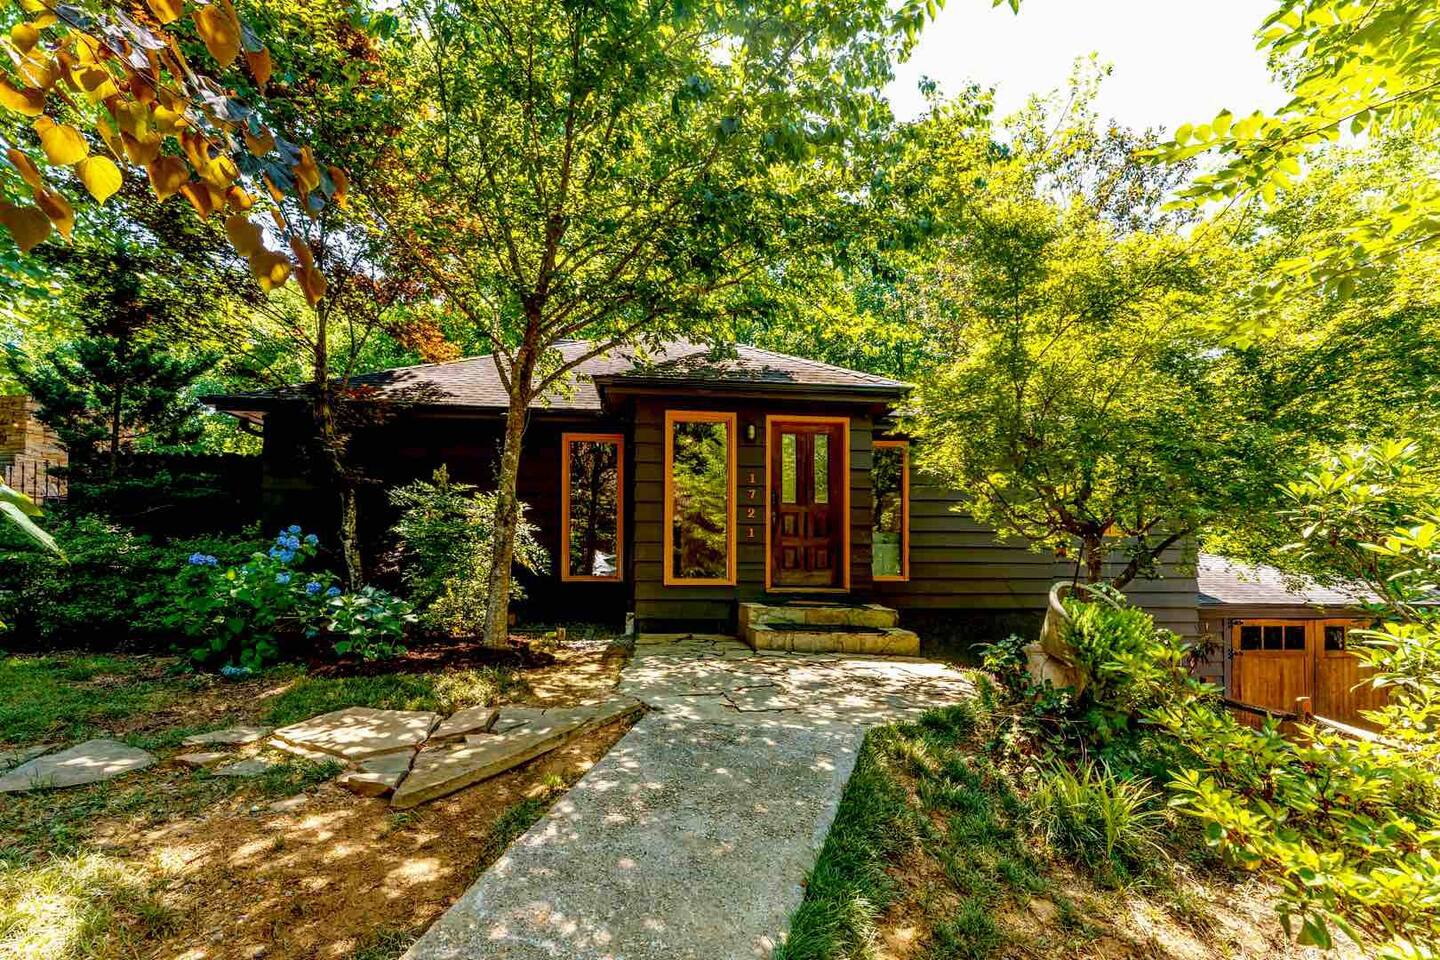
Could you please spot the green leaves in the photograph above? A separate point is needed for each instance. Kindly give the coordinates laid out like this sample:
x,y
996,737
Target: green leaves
x,y
21,511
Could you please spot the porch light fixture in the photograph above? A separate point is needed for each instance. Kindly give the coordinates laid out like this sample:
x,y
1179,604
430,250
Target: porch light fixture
x,y
750,432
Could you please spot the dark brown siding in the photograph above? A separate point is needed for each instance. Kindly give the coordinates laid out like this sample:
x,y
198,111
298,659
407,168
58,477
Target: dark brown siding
x,y
956,564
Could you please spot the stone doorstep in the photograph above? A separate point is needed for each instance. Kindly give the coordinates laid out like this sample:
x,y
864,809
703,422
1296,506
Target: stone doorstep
x,y
893,641
443,770
866,615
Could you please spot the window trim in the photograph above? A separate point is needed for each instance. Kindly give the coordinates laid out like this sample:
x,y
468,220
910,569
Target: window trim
x,y
732,423
844,423
566,439
904,575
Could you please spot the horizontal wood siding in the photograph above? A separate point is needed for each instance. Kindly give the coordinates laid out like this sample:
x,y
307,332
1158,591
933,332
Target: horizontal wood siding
x,y
958,564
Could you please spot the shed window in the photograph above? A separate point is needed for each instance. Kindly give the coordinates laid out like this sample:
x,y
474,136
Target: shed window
x,y
890,482
699,498
1335,637
592,519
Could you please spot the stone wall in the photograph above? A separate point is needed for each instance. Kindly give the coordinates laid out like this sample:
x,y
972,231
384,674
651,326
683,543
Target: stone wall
x,y
28,450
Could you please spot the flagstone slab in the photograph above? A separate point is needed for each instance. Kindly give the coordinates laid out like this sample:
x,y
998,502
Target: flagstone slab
x,y
389,763
13,758
88,762
229,737
247,768
207,758
354,733
369,784
469,720
442,770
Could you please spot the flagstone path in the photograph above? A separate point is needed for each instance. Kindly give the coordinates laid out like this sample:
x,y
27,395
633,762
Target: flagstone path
x,y
692,837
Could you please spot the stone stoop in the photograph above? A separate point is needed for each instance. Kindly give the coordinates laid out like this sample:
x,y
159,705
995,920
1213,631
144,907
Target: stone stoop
x,y
826,628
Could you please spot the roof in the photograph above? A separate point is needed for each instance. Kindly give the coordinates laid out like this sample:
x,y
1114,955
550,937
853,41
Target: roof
x,y
1226,582
474,382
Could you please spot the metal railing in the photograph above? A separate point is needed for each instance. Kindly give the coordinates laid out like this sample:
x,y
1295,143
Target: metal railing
x,y
34,479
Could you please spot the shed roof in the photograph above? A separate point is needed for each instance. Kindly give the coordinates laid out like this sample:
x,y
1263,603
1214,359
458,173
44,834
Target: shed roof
x,y
474,382
1226,582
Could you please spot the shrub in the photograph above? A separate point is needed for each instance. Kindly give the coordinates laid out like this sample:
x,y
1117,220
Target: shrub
x,y
446,532
1088,814
270,608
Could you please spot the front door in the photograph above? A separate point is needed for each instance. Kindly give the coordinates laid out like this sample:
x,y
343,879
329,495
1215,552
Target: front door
x,y
1272,665
807,503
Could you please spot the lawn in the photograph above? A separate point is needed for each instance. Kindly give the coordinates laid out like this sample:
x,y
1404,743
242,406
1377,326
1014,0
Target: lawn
x,y
177,862
934,854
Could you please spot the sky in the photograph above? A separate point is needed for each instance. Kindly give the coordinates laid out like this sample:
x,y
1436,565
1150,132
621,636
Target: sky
x,y
1175,61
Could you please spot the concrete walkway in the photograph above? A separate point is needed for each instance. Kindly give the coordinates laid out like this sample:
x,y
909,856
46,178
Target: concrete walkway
x,y
692,836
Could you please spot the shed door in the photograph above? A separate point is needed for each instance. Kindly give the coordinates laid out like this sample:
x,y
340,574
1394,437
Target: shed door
x,y
1272,664
807,533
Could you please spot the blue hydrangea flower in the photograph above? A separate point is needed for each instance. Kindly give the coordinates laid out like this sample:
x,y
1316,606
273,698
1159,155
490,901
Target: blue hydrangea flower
x,y
293,528
312,588
292,543
333,592
197,559
311,539
275,553
282,578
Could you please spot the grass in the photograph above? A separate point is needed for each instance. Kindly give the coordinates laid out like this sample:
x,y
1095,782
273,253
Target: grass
x,y
76,696
87,905
926,805
442,692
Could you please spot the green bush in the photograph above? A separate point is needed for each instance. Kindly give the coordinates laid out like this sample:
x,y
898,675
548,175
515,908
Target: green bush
x,y
446,533
112,589
270,608
1088,814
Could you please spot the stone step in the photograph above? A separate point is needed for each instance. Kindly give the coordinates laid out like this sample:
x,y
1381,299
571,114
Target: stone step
x,y
819,638
819,614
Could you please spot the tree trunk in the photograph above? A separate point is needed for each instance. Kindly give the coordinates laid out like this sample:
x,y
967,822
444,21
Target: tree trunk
x,y
1094,549
507,508
332,456
117,404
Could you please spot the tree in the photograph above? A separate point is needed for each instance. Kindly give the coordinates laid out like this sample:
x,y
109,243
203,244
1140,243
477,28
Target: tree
x,y
610,170
1082,407
1366,68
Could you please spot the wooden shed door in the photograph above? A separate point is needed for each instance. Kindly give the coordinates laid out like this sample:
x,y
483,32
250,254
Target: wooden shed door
x,y
1272,665
806,536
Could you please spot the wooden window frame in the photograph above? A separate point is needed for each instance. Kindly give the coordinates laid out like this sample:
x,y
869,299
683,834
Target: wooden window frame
x,y
565,440
732,423
904,575
844,424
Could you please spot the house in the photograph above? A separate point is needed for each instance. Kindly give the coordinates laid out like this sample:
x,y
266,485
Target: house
x,y
676,485
1275,638
30,452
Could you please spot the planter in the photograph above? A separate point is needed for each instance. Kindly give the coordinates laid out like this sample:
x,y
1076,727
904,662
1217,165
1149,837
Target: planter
x,y
1050,659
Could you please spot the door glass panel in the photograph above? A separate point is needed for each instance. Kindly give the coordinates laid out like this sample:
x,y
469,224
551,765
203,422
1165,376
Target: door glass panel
x,y
593,547
887,479
1334,638
789,469
822,468
700,508
1295,637
1249,638
1274,638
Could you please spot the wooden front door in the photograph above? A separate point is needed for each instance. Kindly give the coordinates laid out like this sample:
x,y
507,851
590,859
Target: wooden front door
x,y
807,501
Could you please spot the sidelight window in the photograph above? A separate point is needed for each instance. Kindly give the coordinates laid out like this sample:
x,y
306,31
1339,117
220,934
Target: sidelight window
x,y
699,498
890,483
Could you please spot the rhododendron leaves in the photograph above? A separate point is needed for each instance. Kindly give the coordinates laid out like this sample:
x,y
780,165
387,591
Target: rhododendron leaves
x,y
244,235
27,226
220,29
166,11
62,143
58,209
167,176
100,176
28,171
31,103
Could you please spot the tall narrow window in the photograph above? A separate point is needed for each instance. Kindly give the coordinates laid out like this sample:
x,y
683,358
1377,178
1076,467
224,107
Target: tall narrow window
x,y
890,482
699,497
592,525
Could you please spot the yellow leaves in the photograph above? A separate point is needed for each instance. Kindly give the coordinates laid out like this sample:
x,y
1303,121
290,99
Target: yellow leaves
x,y
39,71
203,197
260,66
58,209
28,171
312,284
238,199
166,11
27,226
100,176
167,176
97,83
307,173
220,29
270,269
140,152
260,143
220,172
30,103
63,144
24,36
244,235
342,184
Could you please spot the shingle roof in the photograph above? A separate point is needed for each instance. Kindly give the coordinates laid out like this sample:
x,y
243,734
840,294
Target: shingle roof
x,y
473,381
1224,581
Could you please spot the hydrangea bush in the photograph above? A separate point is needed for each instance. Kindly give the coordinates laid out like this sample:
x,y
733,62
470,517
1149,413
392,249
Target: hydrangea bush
x,y
271,608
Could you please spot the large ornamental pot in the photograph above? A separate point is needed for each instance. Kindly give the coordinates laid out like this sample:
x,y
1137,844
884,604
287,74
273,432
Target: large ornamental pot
x,y
1051,659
